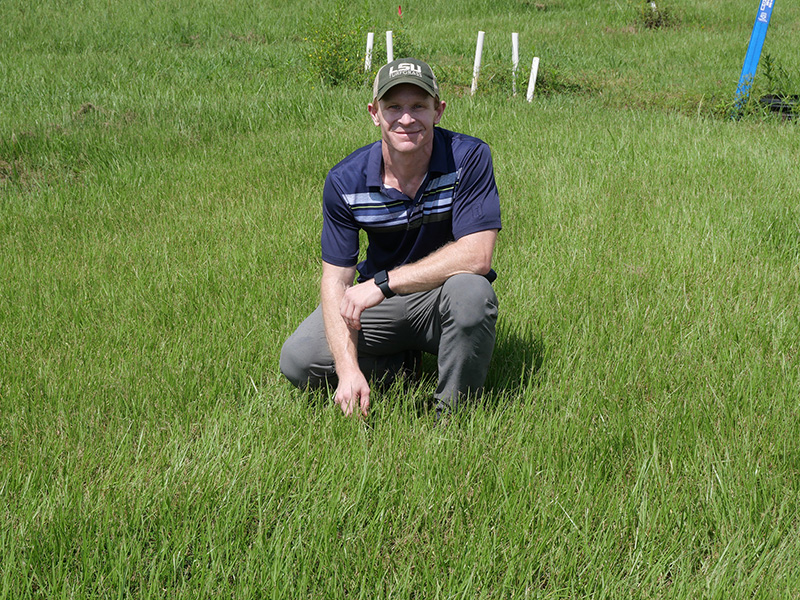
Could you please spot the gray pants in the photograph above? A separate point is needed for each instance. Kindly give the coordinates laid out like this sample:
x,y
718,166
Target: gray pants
x,y
456,322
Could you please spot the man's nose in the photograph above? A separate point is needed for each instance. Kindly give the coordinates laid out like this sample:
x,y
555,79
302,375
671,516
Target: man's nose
x,y
406,117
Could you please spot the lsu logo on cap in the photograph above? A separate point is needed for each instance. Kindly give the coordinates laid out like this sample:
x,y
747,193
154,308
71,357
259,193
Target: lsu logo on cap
x,y
405,69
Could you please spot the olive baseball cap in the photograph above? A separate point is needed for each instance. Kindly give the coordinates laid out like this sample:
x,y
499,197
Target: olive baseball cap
x,y
404,70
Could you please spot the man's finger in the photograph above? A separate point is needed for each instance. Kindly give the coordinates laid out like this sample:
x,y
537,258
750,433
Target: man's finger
x,y
347,407
352,321
343,401
365,404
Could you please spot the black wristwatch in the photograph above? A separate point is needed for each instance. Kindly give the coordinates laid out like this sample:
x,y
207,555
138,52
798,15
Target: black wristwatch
x,y
382,281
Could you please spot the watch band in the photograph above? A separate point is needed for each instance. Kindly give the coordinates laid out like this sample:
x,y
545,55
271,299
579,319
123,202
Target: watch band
x,y
382,281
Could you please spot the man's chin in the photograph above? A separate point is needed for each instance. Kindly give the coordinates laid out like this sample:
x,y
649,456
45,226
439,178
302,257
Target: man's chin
x,y
408,141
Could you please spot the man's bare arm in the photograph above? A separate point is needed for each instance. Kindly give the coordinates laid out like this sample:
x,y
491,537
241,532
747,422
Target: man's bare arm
x,y
469,254
353,389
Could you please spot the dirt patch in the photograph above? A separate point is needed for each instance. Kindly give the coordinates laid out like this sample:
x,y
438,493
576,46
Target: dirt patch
x,y
628,29
85,109
251,37
535,5
15,172
6,171
190,41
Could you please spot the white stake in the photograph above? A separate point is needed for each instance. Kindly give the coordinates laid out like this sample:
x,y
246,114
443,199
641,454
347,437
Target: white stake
x,y
389,47
477,68
532,81
514,61
368,54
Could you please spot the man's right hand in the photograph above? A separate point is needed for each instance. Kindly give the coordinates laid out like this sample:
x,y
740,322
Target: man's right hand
x,y
357,299
352,392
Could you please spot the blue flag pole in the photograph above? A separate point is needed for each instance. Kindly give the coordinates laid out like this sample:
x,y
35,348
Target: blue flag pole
x,y
753,52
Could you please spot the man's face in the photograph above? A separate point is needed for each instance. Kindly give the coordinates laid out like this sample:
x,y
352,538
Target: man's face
x,y
406,116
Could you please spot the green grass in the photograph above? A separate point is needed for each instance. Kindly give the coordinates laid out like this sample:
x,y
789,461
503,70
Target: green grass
x,y
161,166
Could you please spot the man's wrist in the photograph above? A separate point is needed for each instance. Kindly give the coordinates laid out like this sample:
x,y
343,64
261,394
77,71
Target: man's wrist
x,y
382,281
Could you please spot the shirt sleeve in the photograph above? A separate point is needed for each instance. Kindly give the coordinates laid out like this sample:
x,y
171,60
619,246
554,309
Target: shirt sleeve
x,y
476,205
339,230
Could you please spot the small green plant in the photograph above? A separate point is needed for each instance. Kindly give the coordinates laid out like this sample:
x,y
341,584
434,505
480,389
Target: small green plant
x,y
778,80
773,92
656,16
336,50
337,44
781,89
402,42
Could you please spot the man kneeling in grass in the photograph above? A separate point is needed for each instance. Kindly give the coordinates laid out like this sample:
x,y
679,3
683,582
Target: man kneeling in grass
x,y
427,199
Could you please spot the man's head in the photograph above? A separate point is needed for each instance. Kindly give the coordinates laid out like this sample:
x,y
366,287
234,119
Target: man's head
x,y
406,105
404,70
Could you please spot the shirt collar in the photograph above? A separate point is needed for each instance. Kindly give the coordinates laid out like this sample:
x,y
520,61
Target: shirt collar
x,y
439,157
439,160
374,165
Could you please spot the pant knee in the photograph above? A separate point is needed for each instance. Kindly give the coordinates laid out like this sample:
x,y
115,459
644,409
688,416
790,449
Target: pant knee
x,y
291,366
305,359
469,301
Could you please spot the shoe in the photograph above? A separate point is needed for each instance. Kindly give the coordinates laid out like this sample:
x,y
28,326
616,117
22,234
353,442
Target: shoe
x,y
443,413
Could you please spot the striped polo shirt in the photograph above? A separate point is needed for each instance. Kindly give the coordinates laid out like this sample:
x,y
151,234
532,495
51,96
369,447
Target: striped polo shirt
x,y
457,197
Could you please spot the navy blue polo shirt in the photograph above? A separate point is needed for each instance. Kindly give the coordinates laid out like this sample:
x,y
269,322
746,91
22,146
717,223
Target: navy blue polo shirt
x,y
457,197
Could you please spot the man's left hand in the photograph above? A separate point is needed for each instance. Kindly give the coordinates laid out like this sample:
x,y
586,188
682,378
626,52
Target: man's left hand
x,y
357,299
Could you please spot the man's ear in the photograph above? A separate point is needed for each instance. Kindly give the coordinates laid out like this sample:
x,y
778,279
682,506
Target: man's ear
x,y
439,113
372,107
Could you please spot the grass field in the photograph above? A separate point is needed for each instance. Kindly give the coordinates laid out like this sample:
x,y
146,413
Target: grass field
x,y
161,168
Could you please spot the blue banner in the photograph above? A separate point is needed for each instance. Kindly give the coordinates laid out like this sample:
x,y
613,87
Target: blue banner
x,y
754,51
